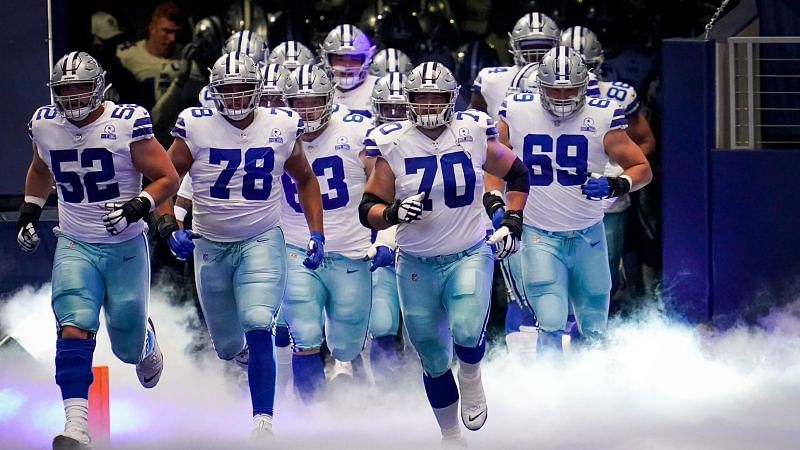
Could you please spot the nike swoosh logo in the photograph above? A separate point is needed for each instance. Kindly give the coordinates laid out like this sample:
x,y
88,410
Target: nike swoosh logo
x,y
594,243
262,240
148,380
471,418
352,271
128,258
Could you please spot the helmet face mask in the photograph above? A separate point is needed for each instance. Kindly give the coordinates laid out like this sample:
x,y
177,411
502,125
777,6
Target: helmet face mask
x,y
562,79
78,85
236,85
388,101
431,91
309,92
346,53
532,36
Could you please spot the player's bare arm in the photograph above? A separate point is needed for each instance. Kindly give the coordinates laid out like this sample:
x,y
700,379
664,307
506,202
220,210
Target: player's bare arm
x,y
503,164
477,101
151,160
640,132
39,179
307,187
380,189
620,148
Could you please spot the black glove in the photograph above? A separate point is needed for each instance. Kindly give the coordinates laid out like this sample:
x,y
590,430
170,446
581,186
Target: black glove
x,y
27,237
121,215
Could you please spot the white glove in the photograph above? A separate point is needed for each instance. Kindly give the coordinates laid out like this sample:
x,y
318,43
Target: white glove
x,y
405,211
503,243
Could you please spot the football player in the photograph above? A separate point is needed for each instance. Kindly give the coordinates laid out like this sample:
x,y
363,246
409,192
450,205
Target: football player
x,y
96,152
346,53
246,42
428,180
532,36
586,43
566,139
336,297
291,55
388,105
236,154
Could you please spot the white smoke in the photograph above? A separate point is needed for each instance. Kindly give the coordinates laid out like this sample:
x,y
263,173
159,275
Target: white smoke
x,y
655,385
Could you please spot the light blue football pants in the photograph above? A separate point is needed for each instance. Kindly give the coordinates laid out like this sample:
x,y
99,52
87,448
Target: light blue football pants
x,y
115,276
335,298
445,300
385,317
240,285
569,266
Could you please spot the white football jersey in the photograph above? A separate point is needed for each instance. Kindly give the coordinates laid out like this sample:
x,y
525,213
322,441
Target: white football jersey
x,y
333,156
359,99
185,189
449,169
204,99
155,73
492,83
620,92
559,153
91,166
340,110
236,186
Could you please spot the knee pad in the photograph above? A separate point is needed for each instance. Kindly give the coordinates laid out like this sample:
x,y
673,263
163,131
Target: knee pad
x,y
282,338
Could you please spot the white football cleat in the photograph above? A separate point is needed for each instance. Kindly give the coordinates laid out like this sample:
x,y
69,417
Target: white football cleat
x,y
473,401
74,437
149,369
262,429
341,369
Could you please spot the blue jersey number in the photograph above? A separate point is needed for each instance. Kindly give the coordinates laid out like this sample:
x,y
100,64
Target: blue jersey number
x,y
429,165
46,113
70,183
258,165
337,197
572,156
335,166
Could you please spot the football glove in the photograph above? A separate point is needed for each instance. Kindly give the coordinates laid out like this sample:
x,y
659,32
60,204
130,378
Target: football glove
x,y
406,211
121,215
606,187
27,237
315,250
506,240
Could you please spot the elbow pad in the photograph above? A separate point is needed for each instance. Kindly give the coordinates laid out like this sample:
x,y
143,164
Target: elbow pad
x,y
518,177
367,202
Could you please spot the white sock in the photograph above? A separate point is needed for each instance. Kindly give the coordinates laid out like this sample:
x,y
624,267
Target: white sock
x,y
469,371
448,419
76,411
283,356
263,417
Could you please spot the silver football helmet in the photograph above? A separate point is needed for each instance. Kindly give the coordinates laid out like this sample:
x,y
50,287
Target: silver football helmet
x,y
347,40
388,101
430,78
524,80
272,92
390,60
76,68
235,85
307,82
249,43
532,36
586,43
562,79
291,54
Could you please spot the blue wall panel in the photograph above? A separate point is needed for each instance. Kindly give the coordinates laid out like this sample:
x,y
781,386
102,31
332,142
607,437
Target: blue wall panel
x,y
755,223
687,135
25,72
